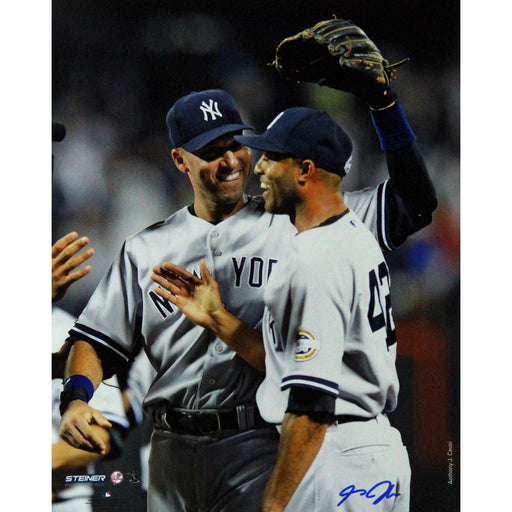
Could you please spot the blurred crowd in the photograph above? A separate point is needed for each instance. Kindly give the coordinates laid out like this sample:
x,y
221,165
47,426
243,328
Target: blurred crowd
x,y
115,75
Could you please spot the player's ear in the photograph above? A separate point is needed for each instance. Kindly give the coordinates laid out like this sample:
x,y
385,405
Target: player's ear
x,y
179,160
307,169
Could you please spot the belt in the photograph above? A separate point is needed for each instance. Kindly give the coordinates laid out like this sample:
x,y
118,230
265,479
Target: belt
x,y
348,418
243,417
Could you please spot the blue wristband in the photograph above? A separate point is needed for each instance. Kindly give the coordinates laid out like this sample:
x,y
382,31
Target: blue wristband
x,y
80,381
392,128
76,387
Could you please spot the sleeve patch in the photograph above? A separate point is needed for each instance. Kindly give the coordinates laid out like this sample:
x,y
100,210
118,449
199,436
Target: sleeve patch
x,y
307,346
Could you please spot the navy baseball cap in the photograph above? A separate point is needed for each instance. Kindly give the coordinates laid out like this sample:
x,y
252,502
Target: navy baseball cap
x,y
200,117
307,134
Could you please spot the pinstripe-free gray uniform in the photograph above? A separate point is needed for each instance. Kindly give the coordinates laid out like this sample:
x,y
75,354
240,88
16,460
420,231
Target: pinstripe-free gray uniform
x,y
194,369
328,327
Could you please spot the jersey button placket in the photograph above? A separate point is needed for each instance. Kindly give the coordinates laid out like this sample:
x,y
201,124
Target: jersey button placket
x,y
210,381
214,236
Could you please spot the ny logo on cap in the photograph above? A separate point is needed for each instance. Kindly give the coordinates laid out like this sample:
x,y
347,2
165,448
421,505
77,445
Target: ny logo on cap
x,y
212,109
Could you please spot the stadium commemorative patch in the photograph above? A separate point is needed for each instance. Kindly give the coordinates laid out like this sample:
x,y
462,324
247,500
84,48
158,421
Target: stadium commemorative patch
x,y
307,346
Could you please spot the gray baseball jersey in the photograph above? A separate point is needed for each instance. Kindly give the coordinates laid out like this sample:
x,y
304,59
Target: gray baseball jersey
x,y
196,370
328,324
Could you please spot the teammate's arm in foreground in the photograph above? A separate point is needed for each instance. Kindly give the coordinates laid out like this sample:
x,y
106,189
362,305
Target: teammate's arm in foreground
x,y
200,300
66,457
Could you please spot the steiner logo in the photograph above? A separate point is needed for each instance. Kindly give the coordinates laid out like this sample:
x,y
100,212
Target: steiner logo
x,y
75,479
307,346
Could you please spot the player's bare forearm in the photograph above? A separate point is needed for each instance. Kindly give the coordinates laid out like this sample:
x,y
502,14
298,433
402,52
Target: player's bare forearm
x,y
79,418
243,339
83,360
301,440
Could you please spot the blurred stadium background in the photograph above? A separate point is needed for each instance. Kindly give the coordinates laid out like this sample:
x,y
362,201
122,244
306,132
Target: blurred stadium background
x,y
118,66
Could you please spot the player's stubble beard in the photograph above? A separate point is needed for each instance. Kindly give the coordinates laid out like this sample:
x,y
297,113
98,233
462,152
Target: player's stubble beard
x,y
282,199
279,179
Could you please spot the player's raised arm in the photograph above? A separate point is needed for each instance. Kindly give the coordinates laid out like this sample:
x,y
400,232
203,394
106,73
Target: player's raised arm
x,y
409,196
337,53
199,299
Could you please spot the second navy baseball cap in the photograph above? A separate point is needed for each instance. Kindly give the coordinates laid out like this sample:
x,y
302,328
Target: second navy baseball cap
x,y
202,116
307,134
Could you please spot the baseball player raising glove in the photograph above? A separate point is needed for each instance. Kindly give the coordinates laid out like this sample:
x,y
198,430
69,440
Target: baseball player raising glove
x,y
338,54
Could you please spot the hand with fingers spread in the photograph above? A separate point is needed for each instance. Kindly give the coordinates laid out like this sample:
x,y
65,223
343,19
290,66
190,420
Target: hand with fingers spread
x,y
198,298
65,259
77,424
200,301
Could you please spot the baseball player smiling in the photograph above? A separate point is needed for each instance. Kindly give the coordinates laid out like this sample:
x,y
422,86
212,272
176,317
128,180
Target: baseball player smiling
x,y
329,343
210,450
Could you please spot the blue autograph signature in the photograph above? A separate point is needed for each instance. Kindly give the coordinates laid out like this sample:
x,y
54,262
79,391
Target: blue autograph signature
x,y
370,493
